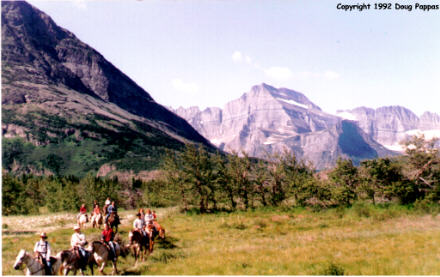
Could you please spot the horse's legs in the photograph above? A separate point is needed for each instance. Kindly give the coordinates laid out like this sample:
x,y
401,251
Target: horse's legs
x,y
91,267
101,269
115,269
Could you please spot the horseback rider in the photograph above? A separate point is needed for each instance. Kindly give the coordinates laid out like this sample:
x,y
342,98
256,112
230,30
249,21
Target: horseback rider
x,y
96,209
107,237
42,250
149,217
82,211
78,241
110,209
139,224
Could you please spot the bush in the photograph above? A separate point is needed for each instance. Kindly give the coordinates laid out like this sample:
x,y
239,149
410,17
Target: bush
x,y
362,209
333,269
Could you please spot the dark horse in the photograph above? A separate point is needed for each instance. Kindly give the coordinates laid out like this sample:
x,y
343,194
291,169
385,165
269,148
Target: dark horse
x,y
113,221
139,244
70,260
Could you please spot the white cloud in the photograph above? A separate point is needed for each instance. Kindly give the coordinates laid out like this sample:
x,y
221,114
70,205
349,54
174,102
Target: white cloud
x,y
237,57
186,87
331,75
80,4
280,73
283,73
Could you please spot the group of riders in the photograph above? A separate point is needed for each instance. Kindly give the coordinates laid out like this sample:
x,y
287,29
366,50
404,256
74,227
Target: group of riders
x,y
109,208
145,223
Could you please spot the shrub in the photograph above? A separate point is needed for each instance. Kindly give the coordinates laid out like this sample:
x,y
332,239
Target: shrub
x,y
333,269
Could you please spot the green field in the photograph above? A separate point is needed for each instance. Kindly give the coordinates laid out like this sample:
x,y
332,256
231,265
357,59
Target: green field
x,y
362,240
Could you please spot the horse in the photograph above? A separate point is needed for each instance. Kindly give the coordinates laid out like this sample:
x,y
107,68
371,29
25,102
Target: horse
x,y
34,267
139,244
104,209
113,221
70,260
101,255
155,230
82,220
96,220
159,230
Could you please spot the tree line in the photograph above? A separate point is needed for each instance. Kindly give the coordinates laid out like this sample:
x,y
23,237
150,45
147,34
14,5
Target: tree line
x,y
197,179
215,181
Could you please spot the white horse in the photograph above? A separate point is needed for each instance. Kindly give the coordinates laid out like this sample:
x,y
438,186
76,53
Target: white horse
x,y
34,267
97,220
82,220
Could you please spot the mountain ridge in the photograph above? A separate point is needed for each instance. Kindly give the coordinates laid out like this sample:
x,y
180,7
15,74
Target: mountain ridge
x,y
73,105
267,119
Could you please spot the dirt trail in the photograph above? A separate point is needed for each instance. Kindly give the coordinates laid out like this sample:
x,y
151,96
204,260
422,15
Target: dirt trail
x,y
32,224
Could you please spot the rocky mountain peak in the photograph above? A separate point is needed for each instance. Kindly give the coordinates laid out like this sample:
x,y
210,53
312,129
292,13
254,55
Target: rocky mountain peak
x,y
56,90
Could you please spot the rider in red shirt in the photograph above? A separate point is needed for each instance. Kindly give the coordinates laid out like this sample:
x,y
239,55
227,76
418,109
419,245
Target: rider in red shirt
x,y
96,210
82,211
107,237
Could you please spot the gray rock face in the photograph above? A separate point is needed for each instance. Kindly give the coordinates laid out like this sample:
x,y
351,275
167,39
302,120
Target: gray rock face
x,y
38,54
69,101
392,125
267,119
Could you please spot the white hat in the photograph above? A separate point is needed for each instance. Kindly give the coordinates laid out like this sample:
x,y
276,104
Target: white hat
x,y
43,235
76,227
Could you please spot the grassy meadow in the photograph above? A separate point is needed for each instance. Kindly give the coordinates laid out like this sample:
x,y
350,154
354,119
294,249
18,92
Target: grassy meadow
x,y
362,240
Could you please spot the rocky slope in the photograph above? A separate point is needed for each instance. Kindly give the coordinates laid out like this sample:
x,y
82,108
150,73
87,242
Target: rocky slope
x,y
73,105
392,125
267,120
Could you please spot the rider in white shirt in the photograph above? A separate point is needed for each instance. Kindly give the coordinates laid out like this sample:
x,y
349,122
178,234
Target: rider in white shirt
x,y
78,240
42,249
139,224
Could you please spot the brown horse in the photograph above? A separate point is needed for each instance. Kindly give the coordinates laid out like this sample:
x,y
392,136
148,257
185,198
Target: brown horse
x,y
139,244
155,230
70,260
102,255
113,221
104,210
160,230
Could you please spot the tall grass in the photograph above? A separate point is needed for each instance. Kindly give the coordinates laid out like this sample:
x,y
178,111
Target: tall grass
x,y
362,240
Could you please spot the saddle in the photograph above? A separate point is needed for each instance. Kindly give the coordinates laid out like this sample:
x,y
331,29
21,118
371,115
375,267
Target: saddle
x,y
48,271
82,260
111,255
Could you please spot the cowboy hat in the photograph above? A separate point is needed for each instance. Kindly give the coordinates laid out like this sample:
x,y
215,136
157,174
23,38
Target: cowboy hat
x,y
43,235
138,214
76,227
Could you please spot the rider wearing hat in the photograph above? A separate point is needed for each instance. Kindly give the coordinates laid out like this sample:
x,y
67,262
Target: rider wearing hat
x,y
78,241
139,224
110,209
42,250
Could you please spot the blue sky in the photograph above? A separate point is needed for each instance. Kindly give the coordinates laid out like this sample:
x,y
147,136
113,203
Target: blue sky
x,y
206,53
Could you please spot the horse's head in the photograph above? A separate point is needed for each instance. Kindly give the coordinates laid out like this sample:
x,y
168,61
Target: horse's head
x,y
20,259
162,233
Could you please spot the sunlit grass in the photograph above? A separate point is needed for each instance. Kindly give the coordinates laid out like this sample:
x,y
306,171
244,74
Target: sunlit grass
x,y
375,241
